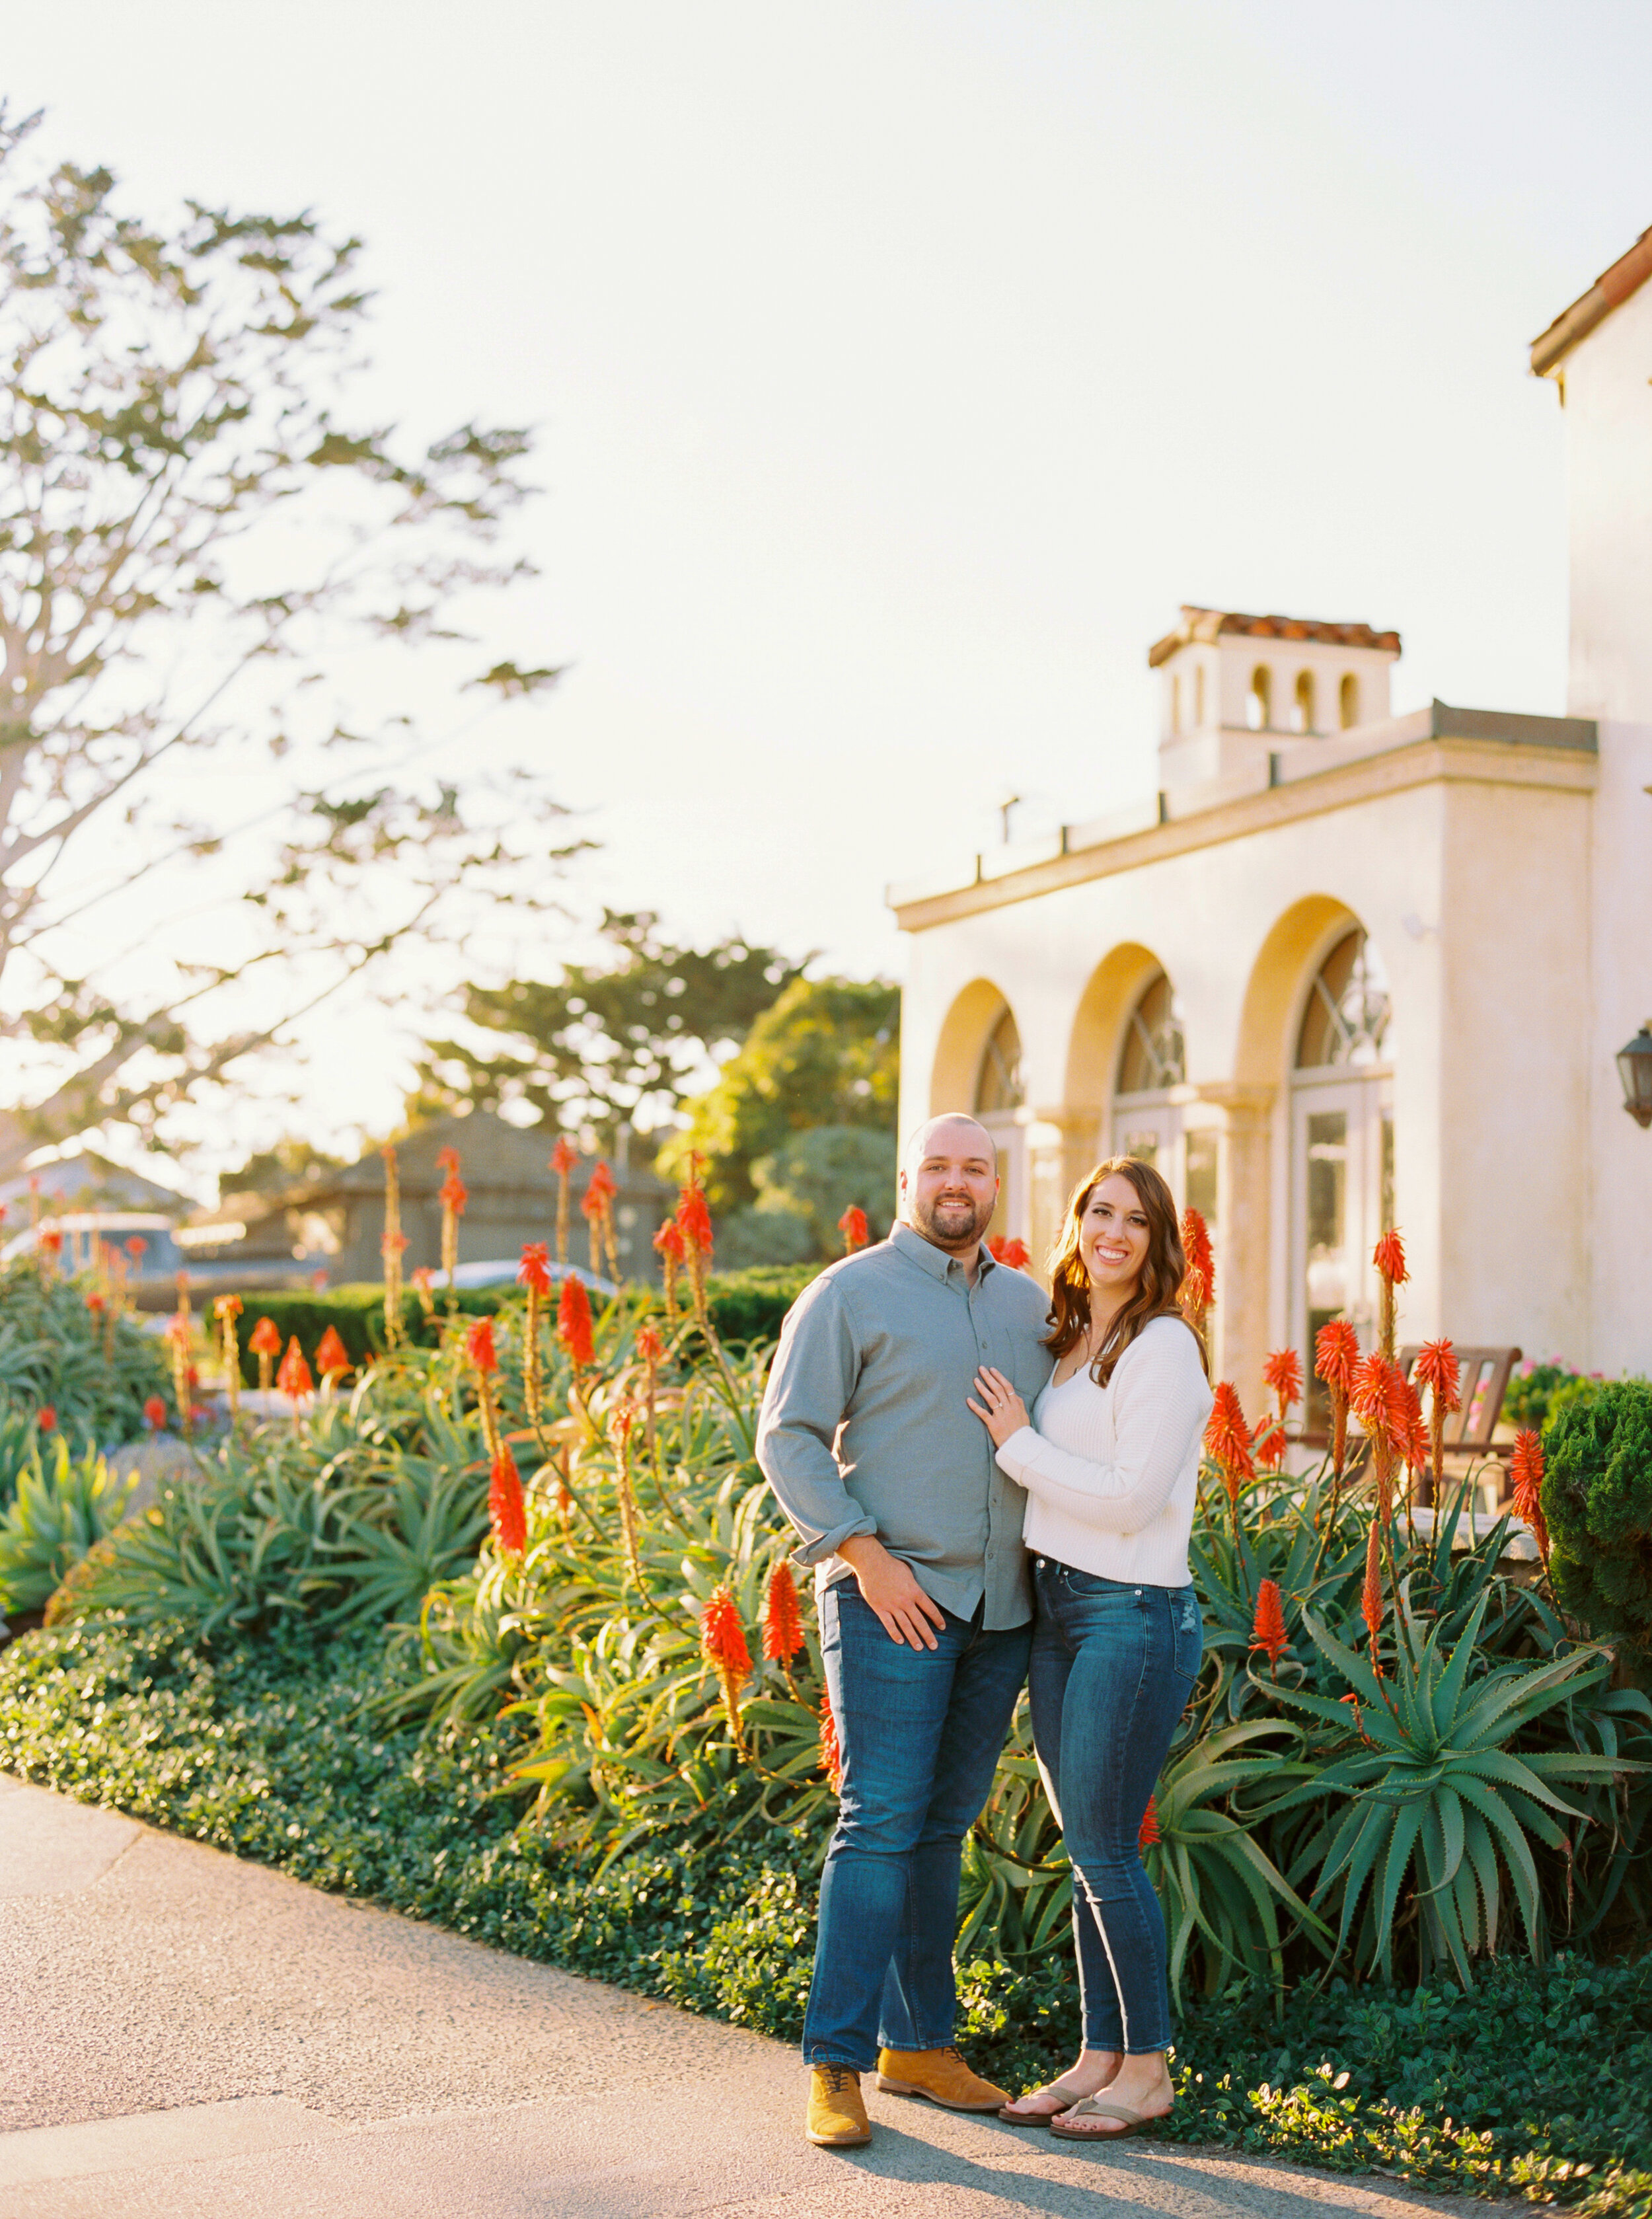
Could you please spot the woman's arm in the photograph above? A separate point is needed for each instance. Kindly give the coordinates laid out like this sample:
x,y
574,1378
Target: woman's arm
x,y
1160,1405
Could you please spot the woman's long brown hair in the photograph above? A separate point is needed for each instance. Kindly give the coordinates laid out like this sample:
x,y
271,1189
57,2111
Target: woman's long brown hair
x,y
1162,1270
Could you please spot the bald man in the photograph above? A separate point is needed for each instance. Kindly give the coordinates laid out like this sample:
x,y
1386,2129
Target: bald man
x,y
925,1606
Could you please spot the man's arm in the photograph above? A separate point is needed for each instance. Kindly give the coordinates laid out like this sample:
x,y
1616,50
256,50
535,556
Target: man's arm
x,y
809,1388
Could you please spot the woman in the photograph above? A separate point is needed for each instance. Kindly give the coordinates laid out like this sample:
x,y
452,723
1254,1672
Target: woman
x,y
1111,1473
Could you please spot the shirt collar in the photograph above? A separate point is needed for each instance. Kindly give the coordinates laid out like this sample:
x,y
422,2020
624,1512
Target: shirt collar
x,y
936,1260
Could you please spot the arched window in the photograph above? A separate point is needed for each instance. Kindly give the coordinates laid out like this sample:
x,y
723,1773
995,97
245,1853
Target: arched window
x,y
1348,701
1199,696
1176,705
1345,1021
1258,705
1302,719
998,1086
1153,1056
1342,1144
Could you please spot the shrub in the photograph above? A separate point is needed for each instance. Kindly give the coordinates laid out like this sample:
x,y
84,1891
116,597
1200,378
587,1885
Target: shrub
x,y
1597,1497
64,1504
1536,1391
356,1315
94,1374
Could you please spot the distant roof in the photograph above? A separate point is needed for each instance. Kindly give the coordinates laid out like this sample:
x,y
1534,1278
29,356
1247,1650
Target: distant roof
x,y
492,1154
1214,624
92,1182
1609,291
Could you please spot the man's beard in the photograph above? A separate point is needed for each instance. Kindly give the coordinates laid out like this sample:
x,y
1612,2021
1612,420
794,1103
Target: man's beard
x,y
951,1221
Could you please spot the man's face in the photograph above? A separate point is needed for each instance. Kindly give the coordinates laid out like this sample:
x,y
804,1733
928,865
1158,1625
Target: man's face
x,y
949,1187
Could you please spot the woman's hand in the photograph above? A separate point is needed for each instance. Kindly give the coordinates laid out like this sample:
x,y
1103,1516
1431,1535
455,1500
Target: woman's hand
x,y
1000,1409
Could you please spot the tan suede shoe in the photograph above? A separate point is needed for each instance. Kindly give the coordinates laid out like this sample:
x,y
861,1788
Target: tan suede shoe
x,y
940,2074
837,2110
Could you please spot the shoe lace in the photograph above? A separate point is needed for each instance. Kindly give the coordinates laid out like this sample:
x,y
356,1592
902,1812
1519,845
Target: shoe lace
x,y
838,2078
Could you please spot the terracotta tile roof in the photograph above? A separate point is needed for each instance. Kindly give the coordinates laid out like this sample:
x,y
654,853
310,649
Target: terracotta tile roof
x,y
1214,624
1609,291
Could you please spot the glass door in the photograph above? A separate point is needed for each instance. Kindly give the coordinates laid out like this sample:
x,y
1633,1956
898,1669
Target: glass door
x,y
1342,1161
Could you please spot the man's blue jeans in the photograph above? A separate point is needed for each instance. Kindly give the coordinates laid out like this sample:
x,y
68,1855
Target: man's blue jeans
x,y
1113,1666
921,1730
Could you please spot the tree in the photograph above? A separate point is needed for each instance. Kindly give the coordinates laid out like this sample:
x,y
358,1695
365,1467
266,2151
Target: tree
x,y
607,1043
189,536
827,1052
272,1172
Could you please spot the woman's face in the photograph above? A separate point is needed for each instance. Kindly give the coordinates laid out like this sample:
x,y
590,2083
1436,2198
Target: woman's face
x,y
1112,1237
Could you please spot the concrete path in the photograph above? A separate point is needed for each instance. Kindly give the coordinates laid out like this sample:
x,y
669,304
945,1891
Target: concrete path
x,y
183,2036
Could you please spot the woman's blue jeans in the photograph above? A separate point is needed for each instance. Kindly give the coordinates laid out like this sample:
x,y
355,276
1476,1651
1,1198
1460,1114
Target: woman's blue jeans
x,y
1113,1666
921,1730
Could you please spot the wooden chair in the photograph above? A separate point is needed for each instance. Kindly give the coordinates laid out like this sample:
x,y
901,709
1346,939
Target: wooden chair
x,y
1467,1432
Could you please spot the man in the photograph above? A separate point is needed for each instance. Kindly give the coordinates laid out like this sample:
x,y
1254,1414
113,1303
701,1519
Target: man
x,y
925,1607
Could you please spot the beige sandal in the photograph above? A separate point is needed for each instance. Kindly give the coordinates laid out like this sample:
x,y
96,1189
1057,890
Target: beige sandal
x,y
1012,2118
1097,2107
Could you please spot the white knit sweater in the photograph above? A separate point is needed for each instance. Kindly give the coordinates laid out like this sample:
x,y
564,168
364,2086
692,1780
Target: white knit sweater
x,y
1112,1472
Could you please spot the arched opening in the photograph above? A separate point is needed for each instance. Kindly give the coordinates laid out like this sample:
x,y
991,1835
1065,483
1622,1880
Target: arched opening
x,y
1259,702
1301,714
1176,705
1199,696
1153,1059
998,1086
1348,701
1342,1140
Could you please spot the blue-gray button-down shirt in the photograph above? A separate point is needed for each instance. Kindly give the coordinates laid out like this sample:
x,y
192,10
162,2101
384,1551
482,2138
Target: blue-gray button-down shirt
x,y
866,1428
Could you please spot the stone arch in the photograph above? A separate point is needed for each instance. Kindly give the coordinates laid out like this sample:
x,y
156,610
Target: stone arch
x,y
1280,979
1115,985
963,1035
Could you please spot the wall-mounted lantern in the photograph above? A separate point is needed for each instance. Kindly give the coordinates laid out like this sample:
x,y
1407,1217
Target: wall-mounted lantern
x,y
1635,1069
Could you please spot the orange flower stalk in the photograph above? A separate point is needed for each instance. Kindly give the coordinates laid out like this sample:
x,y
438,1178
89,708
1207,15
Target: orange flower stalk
x,y
574,1323
1336,1353
1283,1373
620,1432
534,1274
1269,1446
453,1198
1198,1290
723,1639
154,1413
332,1357
1268,1629
854,1228
507,1510
1370,1599
650,1353
423,1280
484,1362
391,1247
1016,1254
1147,1833
294,1378
695,1223
782,1619
832,1750
1526,1475
135,1246
1227,1438
479,1346
227,1309
1377,1400
599,1207
177,1344
674,1254
563,1157
1389,1257
1437,1370
265,1345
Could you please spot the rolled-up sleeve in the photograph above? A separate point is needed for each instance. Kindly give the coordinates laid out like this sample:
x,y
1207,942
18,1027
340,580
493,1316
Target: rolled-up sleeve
x,y
809,1388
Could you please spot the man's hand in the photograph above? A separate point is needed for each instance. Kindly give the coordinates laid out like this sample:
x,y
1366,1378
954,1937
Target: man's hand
x,y
887,1584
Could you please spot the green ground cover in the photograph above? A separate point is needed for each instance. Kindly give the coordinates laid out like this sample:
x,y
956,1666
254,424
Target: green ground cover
x,y
1538,2082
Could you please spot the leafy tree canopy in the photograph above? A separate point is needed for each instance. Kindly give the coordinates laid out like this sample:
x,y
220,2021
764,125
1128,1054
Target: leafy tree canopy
x,y
617,1042
272,1172
826,1052
192,542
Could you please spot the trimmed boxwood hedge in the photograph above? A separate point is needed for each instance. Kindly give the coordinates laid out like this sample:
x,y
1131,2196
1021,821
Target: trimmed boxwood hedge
x,y
746,1307
1538,2082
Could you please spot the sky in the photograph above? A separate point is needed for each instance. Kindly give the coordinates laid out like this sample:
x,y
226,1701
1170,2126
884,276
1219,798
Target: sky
x,y
896,371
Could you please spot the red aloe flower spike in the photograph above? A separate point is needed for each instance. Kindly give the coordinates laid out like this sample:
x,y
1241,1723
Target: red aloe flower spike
x,y
267,1338
331,1356
832,1750
506,1508
574,1322
674,1254
454,1194
294,1376
1198,1289
723,1639
135,1246
601,1183
650,1346
46,1418
854,1228
155,1411
1336,1352
1526,1475
1370,1599
1268,1629
479,1346
1147,1833
534,1272
562,1161
1389,1257
1414,1432
1437,1370
1269,1446
694,1222
1227,1437
782,1619
1015,1255
563,1157
1284,1372
447,1159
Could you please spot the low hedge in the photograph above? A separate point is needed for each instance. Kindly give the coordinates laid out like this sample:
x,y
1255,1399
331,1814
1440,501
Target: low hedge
x,y
1539,2083
747,1307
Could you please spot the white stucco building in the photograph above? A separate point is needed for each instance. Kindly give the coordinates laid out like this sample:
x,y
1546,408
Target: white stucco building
x,y
1346,968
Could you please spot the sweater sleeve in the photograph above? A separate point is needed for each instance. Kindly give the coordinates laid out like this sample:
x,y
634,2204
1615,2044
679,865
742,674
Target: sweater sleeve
x,y
1160,1405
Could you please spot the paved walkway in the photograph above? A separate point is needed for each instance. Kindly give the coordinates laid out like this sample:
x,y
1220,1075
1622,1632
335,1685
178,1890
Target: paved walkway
x,y
187,2037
